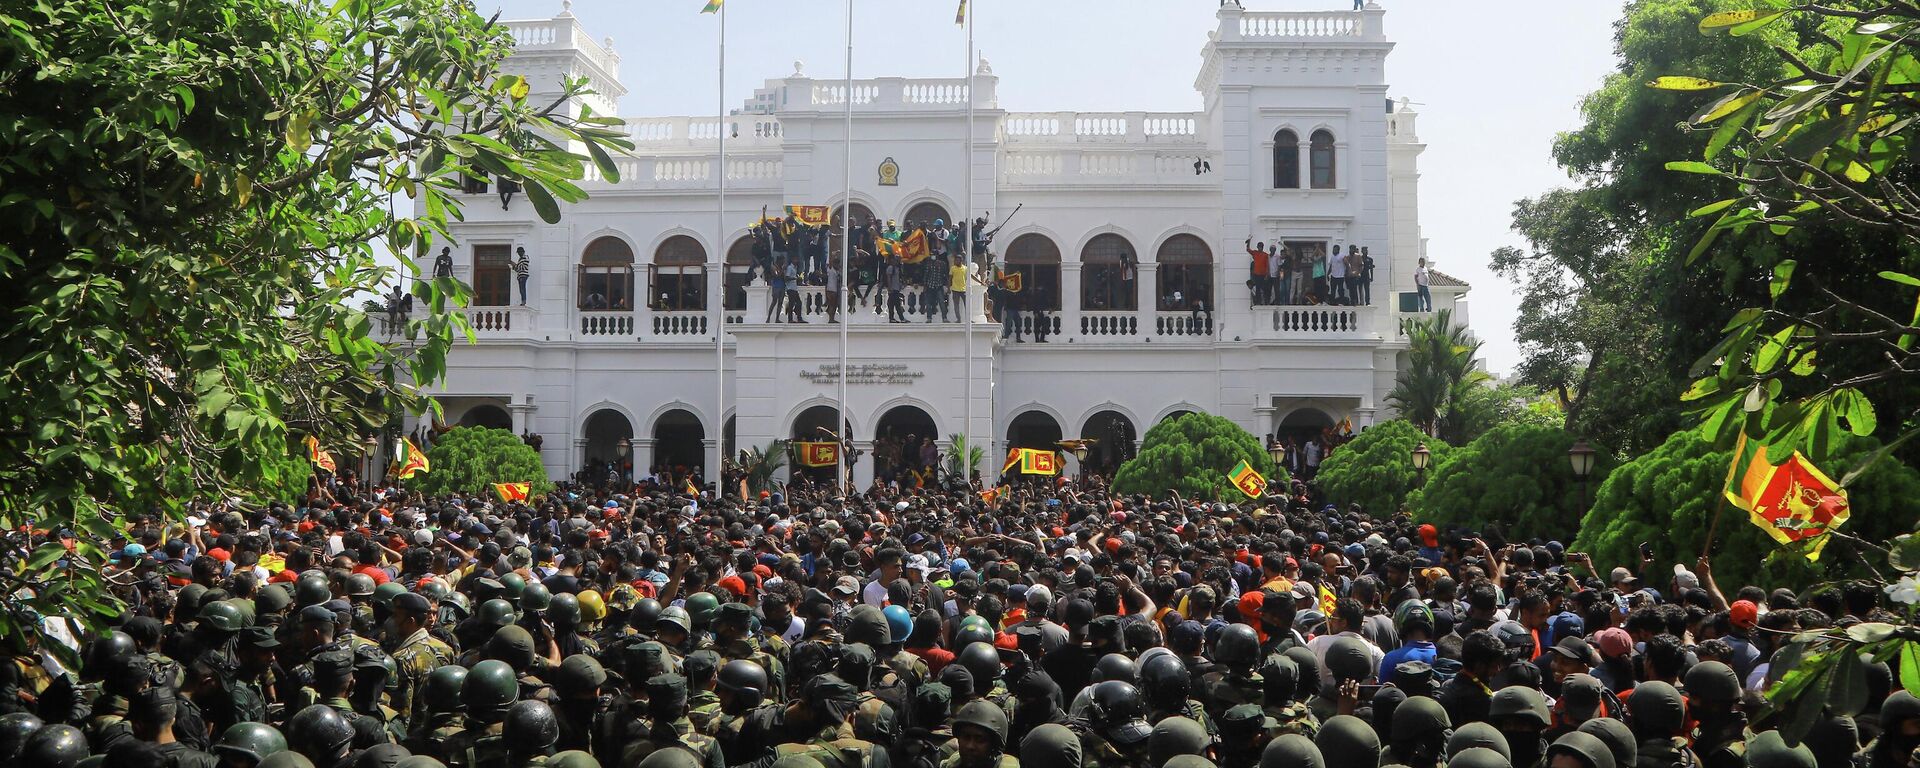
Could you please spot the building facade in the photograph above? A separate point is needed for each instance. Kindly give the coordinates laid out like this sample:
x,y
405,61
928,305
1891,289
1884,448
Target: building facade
x,y
1129,235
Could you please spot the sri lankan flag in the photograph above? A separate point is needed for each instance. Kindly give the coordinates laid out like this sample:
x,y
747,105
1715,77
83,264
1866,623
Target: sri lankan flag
x,y
811,215
913,248
713,6
960,16
511,492
318,458
992,495
690,489
817,454
410,459
1032,462
1247,480
1792,502
1012,282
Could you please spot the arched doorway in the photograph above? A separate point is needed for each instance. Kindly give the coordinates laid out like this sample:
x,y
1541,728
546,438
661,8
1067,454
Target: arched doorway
x,y
609,447
1113,434
899,441
1034,429
728,445
679,444
1176,414
813,425
864,223
924,214
488,416
739,266
1297,430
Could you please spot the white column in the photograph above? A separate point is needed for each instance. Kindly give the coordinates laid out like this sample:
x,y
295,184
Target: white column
x,y
863,469
1147,292
1070,299
641,454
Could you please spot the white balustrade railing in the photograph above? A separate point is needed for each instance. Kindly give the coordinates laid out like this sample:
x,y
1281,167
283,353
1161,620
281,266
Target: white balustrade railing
x,y
563,33
670,132
1268,24
1318,321
1102,127
606,323
683,170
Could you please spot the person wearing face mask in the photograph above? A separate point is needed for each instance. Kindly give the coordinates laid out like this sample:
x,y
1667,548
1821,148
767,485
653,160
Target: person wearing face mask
x,y
1420,732
1713,694
1899,735
417,653
1521,715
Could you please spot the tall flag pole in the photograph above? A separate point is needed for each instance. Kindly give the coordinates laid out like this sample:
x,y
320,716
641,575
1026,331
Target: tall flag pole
x,y
965,17
718,298
841,465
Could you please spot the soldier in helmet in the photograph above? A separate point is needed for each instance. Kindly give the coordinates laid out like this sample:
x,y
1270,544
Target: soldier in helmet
x,y
1584,750
1348,742
702,609
674,629
1522,716
703,704
416,652
1713,697
125,677
530,731
333,678
669,727
1036,703
1114,732
577,683
151,714
1291,749
1657,714
1176,737
980,736
360,590
54,746
982,663
734,639
930,741
244,745
1051,745
513,645
1281,683
569,634
740,686
440,711
1235,682
625,717
486,692
319,733
874,719
1420,728
812,726
1244,732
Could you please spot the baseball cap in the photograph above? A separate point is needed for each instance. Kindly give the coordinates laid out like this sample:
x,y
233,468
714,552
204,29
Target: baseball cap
x,y
1744,613
1621,575
847,585
1576,649
1614,642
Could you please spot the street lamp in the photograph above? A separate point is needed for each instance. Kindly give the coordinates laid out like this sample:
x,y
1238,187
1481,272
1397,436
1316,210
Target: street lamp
x,y
372,444
1278,451
1421,457
1581,456
1080,456
620,448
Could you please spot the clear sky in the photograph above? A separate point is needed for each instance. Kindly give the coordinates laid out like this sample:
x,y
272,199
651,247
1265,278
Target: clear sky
x,y
1493,81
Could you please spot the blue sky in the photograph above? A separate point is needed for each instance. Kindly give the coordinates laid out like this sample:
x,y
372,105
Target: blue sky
x,y
1494,81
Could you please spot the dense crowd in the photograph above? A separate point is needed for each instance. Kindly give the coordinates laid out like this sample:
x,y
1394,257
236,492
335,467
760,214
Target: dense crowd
x,y
1052,627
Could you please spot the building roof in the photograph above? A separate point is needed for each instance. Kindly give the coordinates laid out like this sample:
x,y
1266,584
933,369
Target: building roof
x,y
1438,279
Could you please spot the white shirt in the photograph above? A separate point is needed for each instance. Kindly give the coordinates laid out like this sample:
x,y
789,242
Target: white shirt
x,y
1337,266
1420,276
1319,647
875,594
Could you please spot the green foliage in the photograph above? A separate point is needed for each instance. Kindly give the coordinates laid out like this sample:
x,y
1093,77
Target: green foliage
x,y
469,460
1484,409
284,479
957,446
1516,477
1668,497
1375,468
1438,378
196,193
760,464
1192,454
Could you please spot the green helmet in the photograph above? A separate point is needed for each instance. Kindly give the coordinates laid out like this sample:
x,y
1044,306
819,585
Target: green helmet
x,y
677,616
251,741
514,584
312,589
320,733
1412,610
1175,736
564,610
572,758
442,689
1767,749
972,632
1479,757
490,687
867,624
985,715
1711,682
702,607
1238,647
272,599
536,597
360,585
1657,708
1348,742
531,727
1348,658
1478,735
436,590
1589,750
512,644
54,746
287,759
1291,750
579,674
1051,744
1419,717
385,593
419,761
1522,702
223,616
1188,761
496,613
1618,737
671,758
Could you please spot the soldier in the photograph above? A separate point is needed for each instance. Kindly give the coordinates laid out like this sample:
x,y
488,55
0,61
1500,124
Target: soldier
x,y
529,735
488,689
1419,733
1051,744
252,677
1235,682
55,746
333,677
982,662
1478,735
1713,696
674,629
577,683
126,676
734,639
1165,683
1586,751
1036,704
703,704
494,614
874,719
513,645
151,713
1174,737
669,726
360,589
564,612
415,654
1280,683
702,609
813,725
1115,731
440,711
245,744
1478,757
1244,732
1625,752
1348,742
322,736
911,669
1658,716
930,741
1522,716
980,736
625,719
1769,749
740,686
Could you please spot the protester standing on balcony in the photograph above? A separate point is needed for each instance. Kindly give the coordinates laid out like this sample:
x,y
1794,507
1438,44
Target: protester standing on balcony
x,y
1300,266
1421,276
1356,280
1337,278
762,254
834,280
777,283
1278,263
896,291
956,289
521,268
794,308
1257,272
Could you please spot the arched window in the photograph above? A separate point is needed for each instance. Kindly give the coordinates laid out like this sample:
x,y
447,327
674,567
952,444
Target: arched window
x,y
739,262
1286,160
679,276
924,215
606,275
1037,261
1322,160
864,229
1107,274
1186,273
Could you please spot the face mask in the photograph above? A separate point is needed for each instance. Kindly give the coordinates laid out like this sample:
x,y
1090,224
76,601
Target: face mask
x,y
1525,745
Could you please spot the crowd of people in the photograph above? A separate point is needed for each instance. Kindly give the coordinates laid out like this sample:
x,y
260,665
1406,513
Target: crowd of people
x,y
1054,626
1305,273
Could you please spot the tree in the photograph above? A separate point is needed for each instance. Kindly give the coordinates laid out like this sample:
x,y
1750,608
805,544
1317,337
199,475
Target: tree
x,y
1485,409
1192,454
196,193
1375,468
760,464
1669,497
472,459
957,446
1439,374
1516,478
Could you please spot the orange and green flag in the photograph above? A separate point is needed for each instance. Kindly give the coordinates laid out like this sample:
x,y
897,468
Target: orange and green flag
x,y
410,459
318,458
1792,502
1247,480
511,492
1032,461
811,215
913,249
992,495
960,16
713,6
817,454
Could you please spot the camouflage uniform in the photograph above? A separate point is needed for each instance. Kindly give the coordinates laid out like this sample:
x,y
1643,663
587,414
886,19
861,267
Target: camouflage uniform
x,y
1295,717
1224,689
831,749
679,733
749,648
703,708
416,656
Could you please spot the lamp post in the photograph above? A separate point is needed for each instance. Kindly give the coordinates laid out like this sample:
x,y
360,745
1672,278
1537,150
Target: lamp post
x,y
1581,456
1277,450
1421,457
372,444
1080,457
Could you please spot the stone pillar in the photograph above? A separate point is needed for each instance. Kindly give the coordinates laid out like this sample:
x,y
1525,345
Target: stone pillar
x,y
757,302
1147,291
579,455
863,469
1070,299
641,454
707,447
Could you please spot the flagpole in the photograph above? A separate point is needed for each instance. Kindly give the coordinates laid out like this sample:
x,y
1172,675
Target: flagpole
x,y
719,300
966,244
842,466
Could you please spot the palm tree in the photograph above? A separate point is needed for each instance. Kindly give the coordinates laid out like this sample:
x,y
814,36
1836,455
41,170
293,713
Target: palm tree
x,y
760,464
957,447
1440,373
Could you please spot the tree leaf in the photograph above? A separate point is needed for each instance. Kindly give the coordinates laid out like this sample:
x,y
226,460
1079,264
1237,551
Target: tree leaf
x,y
1910,667
543,202
1712,208
1782,277
1683,83
1729,19
1693,166
1858,411
1726,105
608,170
1871,632
1730,129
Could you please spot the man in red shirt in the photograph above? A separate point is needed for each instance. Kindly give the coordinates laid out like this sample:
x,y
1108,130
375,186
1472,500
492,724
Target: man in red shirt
x,y
1262,287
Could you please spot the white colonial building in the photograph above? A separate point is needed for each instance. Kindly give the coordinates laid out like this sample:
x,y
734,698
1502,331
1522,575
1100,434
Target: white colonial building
x,y
612,356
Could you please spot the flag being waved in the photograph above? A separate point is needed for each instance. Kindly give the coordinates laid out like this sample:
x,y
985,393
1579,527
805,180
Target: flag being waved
x,y
511,492
811,215
1247,480
1792,502
1032,461
410,459
913,249
992,495
960,16
318,458
817,454
713,6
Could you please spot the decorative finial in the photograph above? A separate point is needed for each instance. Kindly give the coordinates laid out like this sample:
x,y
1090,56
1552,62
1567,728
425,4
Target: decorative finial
x,y
985,68
566,7
608,43
799,68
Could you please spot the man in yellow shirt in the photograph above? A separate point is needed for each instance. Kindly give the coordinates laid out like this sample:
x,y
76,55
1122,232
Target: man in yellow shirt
x,y
957,286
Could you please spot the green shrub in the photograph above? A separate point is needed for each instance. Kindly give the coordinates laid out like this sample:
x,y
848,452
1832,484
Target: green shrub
x,y
1375,468
1192,454
1516,478
469,460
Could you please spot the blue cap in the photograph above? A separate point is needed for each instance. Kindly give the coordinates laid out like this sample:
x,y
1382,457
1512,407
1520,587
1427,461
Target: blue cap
x,y
959,564
134,550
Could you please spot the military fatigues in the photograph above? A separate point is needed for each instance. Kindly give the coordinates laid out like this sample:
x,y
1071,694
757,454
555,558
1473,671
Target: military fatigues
x,y
1295,717
679,733
1224,689
751,649
833,750
415,657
